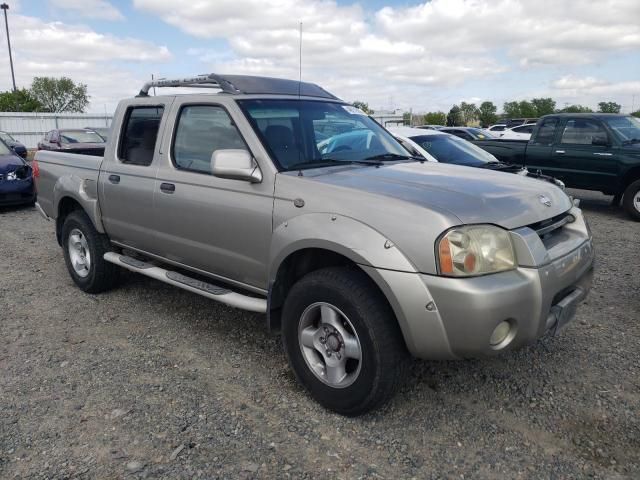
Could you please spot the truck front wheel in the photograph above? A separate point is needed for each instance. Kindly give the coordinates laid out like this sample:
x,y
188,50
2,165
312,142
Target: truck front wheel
x,y
631,200
343,341
84,249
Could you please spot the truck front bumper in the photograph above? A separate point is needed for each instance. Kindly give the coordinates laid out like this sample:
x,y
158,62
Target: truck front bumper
x,y
448,318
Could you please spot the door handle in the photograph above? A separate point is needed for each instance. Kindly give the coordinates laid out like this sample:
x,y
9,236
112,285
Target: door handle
x,y
559,151
114,178
603,154
167,187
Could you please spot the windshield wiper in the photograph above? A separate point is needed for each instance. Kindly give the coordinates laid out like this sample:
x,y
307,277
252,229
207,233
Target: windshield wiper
x,y
395,156
325,162
631,140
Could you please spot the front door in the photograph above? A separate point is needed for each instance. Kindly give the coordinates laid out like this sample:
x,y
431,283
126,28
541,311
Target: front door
x,y
584,157
220,226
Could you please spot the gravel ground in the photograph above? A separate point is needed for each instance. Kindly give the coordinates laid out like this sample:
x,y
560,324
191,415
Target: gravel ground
x,y
152,382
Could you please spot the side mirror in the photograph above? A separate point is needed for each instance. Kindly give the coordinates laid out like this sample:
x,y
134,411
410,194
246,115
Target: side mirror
x,y
600,142
235,164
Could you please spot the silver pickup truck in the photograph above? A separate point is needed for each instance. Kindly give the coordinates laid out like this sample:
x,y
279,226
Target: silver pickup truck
x,y
359,254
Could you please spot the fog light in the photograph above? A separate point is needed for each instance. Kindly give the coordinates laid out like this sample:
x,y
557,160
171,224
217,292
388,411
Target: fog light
x,y
500,333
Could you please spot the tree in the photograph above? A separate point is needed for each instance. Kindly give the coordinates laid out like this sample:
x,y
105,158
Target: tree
x,y
575,109
527,109
363,106
19,101
435,118
454,117
609,107
469,112
511,109
543,106
636,114
60,94
487,113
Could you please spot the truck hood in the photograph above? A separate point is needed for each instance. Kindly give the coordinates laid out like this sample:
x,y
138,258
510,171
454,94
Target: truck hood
x,y
473,195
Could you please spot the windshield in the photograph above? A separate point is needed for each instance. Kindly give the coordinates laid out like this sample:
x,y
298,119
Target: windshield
x,y
451,149
481,134
6,137
628,128
80,136
307,133
4,150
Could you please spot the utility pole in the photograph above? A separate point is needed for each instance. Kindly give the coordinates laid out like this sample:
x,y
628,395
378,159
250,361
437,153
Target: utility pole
x,y
5,7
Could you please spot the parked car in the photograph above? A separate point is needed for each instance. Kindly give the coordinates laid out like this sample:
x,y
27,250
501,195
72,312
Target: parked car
x,y
16,178
13,144
430,127
591,151
523,132
436,146
358,256
73,141
102,131
498,127
515,122
468,133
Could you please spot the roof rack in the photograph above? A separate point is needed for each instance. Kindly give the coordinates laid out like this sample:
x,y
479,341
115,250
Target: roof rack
x,y
242,84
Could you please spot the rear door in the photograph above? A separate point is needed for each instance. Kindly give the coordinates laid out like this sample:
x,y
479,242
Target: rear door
x,y
578,161
539,153
128,174
215,225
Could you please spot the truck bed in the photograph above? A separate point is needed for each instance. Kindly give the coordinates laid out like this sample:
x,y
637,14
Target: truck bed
x,y
508,151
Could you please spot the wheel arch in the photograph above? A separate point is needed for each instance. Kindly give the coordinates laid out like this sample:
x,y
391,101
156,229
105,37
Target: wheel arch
x,y
630,176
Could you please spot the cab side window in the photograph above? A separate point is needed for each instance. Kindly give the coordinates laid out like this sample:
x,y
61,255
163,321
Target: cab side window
x,y
201,130
546,132
583,132
139,135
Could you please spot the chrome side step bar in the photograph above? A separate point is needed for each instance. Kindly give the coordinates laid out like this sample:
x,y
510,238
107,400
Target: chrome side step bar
x,y
209,290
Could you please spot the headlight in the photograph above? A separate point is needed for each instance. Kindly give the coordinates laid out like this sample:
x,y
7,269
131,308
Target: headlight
x,y
475,250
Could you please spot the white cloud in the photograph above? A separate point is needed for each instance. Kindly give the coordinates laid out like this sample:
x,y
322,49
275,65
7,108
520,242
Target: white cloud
x,y
58,49
100,9
571,82
394,51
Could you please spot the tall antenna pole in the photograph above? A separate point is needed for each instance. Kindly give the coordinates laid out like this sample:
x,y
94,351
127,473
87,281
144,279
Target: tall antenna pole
x,y
300,59
5,7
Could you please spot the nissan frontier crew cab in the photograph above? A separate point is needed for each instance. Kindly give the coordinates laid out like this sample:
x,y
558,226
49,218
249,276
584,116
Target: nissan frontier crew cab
x,y
359,256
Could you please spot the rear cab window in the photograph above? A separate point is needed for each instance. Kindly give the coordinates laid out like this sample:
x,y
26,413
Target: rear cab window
x,y
546,132
139,135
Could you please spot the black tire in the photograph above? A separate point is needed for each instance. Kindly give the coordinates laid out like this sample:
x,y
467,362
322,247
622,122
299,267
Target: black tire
x,y
102,275
384,355
632,208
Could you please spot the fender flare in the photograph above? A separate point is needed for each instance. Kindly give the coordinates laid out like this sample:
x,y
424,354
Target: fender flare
x,y
346,236
83,191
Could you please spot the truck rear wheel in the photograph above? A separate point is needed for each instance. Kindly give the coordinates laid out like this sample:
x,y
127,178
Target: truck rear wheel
x,y
84,249
343,341
631,200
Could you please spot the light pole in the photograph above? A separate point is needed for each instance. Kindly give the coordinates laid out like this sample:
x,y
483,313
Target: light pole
x,y
5,7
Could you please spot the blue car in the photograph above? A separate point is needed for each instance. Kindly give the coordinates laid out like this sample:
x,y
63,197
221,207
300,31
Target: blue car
x,y
16,179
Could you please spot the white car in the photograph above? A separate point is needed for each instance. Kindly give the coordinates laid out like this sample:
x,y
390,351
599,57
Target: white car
x,y
522,132
498,127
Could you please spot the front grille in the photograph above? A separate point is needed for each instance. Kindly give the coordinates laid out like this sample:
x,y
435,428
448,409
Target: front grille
x,y
547,228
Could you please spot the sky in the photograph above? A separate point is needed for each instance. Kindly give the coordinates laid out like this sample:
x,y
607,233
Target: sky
x,y
424,56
